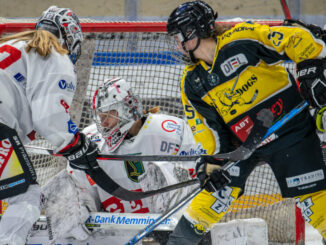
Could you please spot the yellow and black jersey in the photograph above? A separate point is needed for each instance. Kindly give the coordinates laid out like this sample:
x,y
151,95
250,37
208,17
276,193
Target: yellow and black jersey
x,y
222,101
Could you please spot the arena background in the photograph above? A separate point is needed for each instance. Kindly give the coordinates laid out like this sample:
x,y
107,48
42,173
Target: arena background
x,y
308,10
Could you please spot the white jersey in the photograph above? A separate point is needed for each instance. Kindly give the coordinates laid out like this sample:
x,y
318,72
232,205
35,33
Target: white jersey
x,y
159,135
36,93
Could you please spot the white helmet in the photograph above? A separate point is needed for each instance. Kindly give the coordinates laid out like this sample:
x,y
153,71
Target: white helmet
x,y
64,24
115,95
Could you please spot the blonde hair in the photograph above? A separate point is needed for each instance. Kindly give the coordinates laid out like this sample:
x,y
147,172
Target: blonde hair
x,y
40,40
221,28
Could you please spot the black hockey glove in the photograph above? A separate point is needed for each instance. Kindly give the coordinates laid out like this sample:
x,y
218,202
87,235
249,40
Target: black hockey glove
x,y
210,174
83,154
312,81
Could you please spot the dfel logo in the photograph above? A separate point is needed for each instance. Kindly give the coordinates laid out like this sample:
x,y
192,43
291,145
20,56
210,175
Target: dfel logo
x,y
234,63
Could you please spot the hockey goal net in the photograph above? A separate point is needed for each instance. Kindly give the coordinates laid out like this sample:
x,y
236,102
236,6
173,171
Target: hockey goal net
x,y
142,53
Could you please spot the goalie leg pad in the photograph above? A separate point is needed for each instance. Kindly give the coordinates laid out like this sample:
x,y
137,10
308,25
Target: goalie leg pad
x,y
23,210
67,207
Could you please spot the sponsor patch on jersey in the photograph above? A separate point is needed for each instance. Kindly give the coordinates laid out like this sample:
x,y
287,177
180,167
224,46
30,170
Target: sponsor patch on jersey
x,y
95,138
242,128
72,127
134,169
65,105
171,126
269,139
304,179
223,200
234,171
232,64
305,207
193,152
198,121
169,147
19,77
63,84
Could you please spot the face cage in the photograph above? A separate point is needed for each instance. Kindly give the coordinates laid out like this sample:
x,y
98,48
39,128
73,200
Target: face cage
x,y
115,135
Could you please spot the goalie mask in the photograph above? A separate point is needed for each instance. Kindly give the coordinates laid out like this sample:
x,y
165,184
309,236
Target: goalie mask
x,y
115,109
64,24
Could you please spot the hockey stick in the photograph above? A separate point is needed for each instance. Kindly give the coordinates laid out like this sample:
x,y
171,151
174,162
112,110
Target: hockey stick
x,y
242,152
110,186
263,122
148,229
286,9
295,111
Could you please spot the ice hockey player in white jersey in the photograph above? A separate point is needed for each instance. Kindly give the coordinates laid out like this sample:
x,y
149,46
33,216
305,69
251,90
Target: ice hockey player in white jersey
x,y
121,128
37,81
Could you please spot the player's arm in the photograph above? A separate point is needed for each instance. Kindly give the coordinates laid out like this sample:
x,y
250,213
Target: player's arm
x,y
292,42
50,99
305,45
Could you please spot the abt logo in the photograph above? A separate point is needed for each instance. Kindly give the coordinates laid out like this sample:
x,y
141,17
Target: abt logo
x,y
307,71
242,128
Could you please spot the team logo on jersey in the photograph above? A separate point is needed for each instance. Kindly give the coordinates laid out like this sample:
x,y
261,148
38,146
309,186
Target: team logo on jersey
x,y
171,126
233,64
63,84
213,79
237,96
134,170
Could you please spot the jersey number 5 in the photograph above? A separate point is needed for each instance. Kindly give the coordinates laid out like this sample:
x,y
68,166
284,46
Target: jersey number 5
x,y
8,56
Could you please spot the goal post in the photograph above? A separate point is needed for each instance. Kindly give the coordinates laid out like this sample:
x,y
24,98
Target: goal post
x,y
143,54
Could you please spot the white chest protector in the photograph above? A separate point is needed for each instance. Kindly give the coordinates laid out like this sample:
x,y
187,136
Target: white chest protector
x,y
160,135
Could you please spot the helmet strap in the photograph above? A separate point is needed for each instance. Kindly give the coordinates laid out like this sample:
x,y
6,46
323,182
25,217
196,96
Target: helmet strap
x,y
191,52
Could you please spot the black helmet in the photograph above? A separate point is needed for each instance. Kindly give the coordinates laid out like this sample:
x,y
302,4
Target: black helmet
x,y
192,19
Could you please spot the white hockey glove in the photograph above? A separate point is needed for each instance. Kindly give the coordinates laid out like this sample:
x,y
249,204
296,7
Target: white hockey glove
x,y
82,155
312,81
